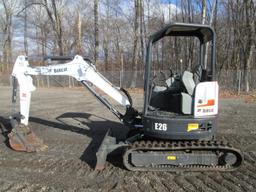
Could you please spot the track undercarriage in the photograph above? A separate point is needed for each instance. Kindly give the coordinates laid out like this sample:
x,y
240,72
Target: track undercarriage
x,y
174,156
181,156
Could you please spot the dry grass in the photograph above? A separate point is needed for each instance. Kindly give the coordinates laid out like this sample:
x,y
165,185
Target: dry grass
x,y
248,97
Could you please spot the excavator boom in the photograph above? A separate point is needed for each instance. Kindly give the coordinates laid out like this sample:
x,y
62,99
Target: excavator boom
x,y
22,138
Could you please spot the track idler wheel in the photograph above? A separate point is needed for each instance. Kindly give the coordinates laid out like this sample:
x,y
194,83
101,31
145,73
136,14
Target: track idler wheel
x,y
22,138
228,159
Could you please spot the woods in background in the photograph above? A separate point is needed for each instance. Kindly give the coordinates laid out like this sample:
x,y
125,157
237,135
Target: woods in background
x,y
113,33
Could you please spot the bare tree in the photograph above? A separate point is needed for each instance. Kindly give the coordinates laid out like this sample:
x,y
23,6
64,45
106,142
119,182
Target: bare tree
x,y
55,14
61,27
214,6
250,30
96,31
25,28
135,42
9,8
204,8
79,34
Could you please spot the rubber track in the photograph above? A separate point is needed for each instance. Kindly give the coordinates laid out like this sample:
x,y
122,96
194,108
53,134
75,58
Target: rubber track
x,y
206,146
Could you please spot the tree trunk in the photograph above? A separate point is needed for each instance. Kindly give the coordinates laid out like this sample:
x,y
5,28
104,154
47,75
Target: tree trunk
x,y
210,23
135,43
55,19
96,31
106,38
7,46
249,44
58,24
25,30
105,49
79,35
203,11
247,69
142,29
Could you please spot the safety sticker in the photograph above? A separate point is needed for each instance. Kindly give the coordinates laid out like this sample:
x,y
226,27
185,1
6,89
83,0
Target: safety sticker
x,y
192,126
171,157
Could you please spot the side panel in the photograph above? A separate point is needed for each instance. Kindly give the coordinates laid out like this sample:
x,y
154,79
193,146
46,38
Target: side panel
x,y
206,99
180,128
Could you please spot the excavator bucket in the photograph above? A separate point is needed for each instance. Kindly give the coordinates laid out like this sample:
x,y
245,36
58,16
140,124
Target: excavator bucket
x,y
22,138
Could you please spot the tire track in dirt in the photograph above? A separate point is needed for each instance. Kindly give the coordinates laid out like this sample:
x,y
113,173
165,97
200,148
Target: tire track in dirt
x,y
35,166
109,179
185,185
246,178
212,184
232,184
118,177
235,178
170,185
224,182
47,165
61,165
64,168
131,182
7,186
252,154
250,170
248,158
156,182
198,184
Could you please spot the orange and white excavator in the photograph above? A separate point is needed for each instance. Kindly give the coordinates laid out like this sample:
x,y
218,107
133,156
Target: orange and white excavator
x,y
176,129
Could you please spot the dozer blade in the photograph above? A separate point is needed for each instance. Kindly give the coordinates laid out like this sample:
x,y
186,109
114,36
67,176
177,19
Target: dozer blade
x,y
107,146
104,150
22,138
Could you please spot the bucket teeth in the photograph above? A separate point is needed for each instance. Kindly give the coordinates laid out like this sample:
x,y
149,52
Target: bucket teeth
x,y
22,138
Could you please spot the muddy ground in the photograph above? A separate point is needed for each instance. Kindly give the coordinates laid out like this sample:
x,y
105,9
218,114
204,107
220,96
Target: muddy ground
x,y
72,123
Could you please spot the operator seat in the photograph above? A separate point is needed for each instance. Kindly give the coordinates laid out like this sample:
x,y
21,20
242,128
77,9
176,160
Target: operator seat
x,y
188,82
186,98
178,97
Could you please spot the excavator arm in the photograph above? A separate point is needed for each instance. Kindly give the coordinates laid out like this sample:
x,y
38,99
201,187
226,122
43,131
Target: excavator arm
x,y
22,138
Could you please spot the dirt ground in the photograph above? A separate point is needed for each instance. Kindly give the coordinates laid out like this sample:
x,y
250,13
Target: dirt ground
x,y
72,123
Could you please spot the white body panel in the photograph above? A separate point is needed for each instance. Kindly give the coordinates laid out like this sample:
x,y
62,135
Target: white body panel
x,y
78,68
206,99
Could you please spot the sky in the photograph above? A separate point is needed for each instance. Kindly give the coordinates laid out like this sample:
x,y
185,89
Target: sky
x,y
152,8
168,1
166,9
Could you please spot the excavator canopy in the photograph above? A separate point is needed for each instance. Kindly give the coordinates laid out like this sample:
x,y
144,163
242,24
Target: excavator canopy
x,y
203,32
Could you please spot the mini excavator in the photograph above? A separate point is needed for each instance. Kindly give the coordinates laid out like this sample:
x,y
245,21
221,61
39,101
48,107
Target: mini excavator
x,y
177,127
